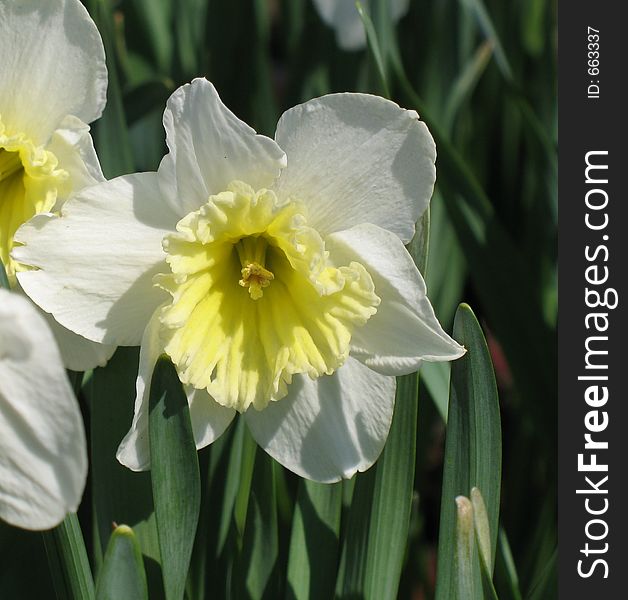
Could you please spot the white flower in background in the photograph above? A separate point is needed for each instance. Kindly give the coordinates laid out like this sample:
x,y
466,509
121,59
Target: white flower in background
x,y
53,81
343,16
43,460
278,285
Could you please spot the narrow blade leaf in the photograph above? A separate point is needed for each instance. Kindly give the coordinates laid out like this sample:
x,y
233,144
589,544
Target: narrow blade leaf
x,y
473,445
68,561
313,559
174,474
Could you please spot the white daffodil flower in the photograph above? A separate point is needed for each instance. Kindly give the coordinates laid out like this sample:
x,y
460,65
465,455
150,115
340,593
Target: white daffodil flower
x,y
277,282
43,459
53,81
343,16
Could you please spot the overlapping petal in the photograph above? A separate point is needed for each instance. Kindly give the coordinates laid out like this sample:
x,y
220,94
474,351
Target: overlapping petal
x,y
405,330
43,461
53,65
209,148
328,428
355,158
92,268
209,419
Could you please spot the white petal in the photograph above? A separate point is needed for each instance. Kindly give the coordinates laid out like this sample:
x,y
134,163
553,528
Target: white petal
x,y
96,262
355,158
77,352
73,146
343,16
53,65
404,331
328,428
210,147
134,450
43,461
209,419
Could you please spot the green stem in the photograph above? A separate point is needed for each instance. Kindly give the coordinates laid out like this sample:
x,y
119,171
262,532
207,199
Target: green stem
x,y
68,561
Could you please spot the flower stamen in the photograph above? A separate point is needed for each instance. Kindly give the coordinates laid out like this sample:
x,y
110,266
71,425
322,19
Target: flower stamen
x,y
255,277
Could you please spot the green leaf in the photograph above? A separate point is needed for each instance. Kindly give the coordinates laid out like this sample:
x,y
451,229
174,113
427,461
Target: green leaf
x,y
473,445
506,578
313,558
500,277
68,561
488,29
435,376
546,586
190,19
466,83
122,574
118,494
155,20
380,509
255,577
110,131
174,475
374,48
244,453
446,270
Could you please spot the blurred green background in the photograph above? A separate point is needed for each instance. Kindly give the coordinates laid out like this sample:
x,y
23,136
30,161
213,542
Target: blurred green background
x,y
483,76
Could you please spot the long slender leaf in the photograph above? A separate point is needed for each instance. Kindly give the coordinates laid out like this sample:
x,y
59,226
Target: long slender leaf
x,y
68,561
546,586
111,133
118,494
473,445
174,475
313,559
374,49
506,578
122,574
256,577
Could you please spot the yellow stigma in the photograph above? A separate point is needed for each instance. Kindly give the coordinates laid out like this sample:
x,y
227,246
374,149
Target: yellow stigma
x,y
30,182
256,299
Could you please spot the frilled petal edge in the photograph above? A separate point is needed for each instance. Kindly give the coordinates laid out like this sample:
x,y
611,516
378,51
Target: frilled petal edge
x,y
209,148
405,330
209,419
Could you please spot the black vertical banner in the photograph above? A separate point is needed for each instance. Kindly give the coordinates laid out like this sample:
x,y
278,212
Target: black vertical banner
x,y
593,270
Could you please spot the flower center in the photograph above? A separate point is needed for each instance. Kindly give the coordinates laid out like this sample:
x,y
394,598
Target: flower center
x,y
255,277
256,299
30,181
